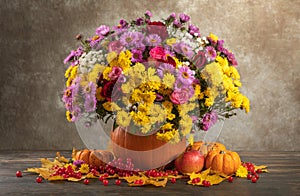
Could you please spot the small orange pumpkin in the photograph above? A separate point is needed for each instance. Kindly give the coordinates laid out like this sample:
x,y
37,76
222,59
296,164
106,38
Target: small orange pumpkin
x,y
94,157
206,147
224,161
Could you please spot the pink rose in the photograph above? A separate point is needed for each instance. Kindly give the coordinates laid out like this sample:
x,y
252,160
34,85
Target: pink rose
x,y
115,46
158,53
180,96
115,73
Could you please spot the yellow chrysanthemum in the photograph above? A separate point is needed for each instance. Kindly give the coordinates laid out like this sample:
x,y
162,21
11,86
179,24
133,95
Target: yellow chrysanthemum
x,y
168,105
68,71
169,136
171,41
241,172
136,95
186,124
209,101
167,126
122,118
139,118
106,71
124,60
84,168
246,104
213,37
69,116
111,56
111,106
169,80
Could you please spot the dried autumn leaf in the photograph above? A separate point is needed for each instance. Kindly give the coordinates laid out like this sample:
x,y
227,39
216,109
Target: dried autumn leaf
x,y
61,158
54,178
263,168
215,179
158,182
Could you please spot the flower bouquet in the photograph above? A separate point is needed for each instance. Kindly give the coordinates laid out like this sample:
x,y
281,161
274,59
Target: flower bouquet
x,y
158,79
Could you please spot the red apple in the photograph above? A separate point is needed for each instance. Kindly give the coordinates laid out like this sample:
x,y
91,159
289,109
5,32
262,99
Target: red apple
x,y
189,162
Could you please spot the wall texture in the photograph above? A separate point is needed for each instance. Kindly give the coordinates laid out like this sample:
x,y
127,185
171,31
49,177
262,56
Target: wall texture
x,y
36,35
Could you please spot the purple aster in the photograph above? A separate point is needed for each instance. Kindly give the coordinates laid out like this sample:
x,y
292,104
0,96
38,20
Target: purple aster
x,y
209,120
139,37
76,113
102,30
184,18
210,53
79,51
70,56
128,38
153,40
185,75
184,49
137,55
90,89
90,103
193,30
164,69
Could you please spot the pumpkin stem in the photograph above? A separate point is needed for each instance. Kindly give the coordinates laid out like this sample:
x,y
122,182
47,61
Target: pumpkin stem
x,y
222,152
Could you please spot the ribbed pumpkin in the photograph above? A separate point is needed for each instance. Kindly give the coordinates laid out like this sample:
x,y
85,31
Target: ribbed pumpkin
x,y
206,147
146,152
223,161
94,158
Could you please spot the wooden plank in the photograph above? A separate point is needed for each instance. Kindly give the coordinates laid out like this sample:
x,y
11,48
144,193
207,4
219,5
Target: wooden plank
x,y
283,179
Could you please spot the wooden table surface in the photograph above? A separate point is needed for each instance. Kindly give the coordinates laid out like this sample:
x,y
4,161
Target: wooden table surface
x,y
283,179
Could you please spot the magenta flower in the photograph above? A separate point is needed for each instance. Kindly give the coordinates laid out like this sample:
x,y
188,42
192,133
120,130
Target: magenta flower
x,y
70,57
193,30
176,23
186,75
210,53
102,30
137,55
184,18
209,120
139,21
148,13
153,40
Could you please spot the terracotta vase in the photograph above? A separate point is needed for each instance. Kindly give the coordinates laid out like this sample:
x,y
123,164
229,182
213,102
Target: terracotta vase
x,y
146,152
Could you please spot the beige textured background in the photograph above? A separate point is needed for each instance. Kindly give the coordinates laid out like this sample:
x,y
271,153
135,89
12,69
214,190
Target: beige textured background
x,y
36,35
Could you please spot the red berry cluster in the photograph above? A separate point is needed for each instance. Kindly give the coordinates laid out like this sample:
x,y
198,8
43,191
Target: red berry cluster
x,y
159,173
196,180
206,183
118,166
66,172
252,173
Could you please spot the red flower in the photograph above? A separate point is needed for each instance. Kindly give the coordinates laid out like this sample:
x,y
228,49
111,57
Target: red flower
x,y
111,90
158,28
